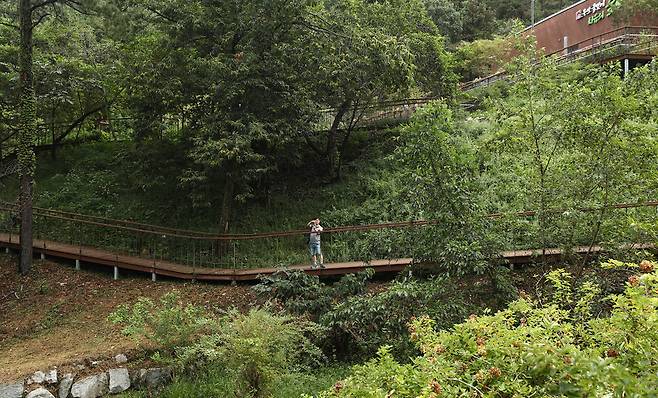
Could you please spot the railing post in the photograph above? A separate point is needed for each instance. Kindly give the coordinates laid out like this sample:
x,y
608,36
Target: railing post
x,y
153,277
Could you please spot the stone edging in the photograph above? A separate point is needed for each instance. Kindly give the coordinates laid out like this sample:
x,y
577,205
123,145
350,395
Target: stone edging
x,y
113,381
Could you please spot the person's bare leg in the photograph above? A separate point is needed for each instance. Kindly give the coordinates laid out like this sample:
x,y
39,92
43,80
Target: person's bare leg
x,y
321,260
314,261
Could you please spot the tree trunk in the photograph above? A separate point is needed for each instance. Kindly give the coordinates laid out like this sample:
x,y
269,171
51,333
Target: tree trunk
x,y
227,204
53,150
225,214
27,128
26,224
333,153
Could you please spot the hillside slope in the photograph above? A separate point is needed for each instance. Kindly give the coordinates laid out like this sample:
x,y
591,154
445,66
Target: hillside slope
x,y
57,316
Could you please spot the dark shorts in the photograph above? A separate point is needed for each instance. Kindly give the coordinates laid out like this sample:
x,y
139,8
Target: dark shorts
x,y
314,248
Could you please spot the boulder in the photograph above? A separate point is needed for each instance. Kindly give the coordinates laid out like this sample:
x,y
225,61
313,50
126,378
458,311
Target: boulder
x,y
11,390
65,386
51,377
152,379
37,378
40,393
90,387
121,358
119,380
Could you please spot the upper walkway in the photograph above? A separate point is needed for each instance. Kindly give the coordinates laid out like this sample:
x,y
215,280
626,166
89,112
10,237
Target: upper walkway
x,y
179,271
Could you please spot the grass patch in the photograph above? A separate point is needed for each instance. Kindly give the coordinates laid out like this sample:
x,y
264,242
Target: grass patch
x,y
220,386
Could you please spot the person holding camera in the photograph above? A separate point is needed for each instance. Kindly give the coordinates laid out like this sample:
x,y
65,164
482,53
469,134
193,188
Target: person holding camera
x,y
314,243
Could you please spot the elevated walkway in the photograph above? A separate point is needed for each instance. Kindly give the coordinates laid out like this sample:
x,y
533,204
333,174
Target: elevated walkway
x,y
155,267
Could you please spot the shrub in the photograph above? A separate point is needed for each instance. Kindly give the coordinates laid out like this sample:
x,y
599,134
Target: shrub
x,y
297,291
169,323
361,324
358,323
254,350
529,350
304,294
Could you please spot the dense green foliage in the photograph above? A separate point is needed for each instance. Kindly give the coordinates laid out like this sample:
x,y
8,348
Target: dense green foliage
x,y
557,141
527,148
558,348
356,321
246,116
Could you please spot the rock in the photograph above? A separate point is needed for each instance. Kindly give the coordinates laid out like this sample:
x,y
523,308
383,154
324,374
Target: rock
x,y
65,386
152,379
121,358
95,363
90,387
37,378
51,377
11,390
40,393
119,380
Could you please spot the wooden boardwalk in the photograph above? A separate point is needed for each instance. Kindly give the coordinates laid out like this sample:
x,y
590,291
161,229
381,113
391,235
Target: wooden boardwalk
x,y
157,267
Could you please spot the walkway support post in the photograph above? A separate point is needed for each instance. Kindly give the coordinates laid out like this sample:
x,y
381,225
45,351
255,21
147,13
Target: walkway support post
x,y
116,273
77,265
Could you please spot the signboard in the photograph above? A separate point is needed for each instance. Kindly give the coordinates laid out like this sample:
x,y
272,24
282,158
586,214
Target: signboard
x,y
598,11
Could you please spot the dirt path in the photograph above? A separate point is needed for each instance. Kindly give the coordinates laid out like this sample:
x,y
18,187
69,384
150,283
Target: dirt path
x,y
57,316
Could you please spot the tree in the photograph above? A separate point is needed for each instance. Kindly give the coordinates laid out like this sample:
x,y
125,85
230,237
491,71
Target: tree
x,y
362,52
630,8
247,87
447,17
442,165
230,70
26,132
30,14
561,140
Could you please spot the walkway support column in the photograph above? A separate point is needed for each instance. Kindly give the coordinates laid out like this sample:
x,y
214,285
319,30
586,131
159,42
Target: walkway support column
x,y
627,66
77,265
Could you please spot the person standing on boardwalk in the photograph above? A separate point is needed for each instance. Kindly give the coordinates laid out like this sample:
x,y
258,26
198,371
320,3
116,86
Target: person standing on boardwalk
x,y
314,243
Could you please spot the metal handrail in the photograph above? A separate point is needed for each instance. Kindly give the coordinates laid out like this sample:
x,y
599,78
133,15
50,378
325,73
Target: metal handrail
x,y
195,235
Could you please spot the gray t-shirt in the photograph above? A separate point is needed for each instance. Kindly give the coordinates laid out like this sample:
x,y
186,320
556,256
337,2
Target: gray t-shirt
x,y
314,237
